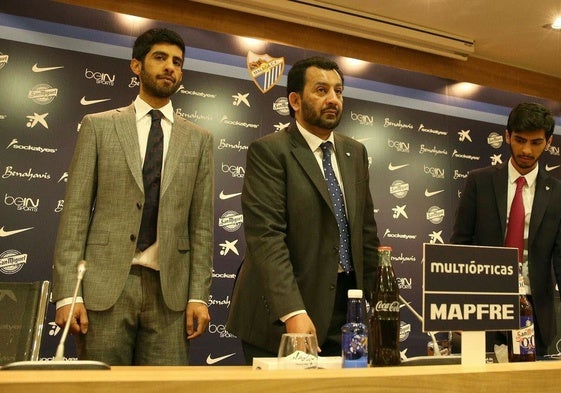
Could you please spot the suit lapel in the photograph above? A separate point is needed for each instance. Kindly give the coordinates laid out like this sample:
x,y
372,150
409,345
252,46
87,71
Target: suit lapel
x,y
125,124
541,201
308,162
177,142
500,178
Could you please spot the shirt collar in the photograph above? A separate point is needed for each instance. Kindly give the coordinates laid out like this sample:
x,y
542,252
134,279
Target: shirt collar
x,y
513,174
313,140
142,108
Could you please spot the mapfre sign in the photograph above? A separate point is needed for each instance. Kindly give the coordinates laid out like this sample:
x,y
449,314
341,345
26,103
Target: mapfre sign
x,y
470,288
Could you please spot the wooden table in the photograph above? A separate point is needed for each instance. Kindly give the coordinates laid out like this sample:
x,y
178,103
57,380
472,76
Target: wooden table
x,y
542,377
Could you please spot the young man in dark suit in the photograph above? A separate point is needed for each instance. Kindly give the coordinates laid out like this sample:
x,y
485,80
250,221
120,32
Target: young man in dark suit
x,y
484,207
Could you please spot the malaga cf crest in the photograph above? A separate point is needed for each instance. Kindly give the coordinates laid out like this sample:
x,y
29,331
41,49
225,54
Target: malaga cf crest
x,y
265,70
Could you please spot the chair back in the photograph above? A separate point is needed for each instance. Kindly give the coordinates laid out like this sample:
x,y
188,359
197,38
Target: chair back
x,y
23,309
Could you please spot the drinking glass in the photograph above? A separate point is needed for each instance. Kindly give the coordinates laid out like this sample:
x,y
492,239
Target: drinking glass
x,y
298,351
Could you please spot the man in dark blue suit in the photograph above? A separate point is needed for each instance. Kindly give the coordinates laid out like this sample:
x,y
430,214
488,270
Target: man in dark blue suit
x,y
484,206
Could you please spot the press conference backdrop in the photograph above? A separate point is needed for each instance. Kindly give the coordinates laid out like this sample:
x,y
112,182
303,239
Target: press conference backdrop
x,y
421,146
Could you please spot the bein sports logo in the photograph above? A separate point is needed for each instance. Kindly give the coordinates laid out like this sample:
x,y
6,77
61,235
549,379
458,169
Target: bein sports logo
x,y
101,78
22,203
236,171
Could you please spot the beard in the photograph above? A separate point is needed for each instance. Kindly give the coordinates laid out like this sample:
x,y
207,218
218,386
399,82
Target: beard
x,y
529,163
151,86
311,116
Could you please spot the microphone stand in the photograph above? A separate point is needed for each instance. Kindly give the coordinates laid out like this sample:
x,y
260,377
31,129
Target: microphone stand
x,y
59,363
420,318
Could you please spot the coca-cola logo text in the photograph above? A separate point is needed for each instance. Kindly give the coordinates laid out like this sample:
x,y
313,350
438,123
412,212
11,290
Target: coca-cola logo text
x,y
387,307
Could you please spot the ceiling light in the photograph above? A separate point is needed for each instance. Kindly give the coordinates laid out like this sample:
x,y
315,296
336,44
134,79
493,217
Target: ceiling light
x,y
556,24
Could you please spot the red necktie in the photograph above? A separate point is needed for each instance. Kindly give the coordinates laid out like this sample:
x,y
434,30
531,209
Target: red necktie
x,y
515,228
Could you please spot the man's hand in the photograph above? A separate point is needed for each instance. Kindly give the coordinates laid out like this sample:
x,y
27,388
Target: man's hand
x,y
301,323
196,312
78,322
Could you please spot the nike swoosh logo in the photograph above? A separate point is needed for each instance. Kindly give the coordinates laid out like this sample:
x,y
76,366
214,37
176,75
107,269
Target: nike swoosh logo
x,y
228,196
211,360
396,167
429,193
36,68
550,168
4,233
83,101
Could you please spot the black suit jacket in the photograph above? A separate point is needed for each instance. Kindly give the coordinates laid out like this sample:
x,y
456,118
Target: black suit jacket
x,y
481,220
292,237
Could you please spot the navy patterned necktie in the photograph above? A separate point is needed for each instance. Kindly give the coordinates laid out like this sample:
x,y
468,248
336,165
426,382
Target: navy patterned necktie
x,y
151,175
339,207
516,217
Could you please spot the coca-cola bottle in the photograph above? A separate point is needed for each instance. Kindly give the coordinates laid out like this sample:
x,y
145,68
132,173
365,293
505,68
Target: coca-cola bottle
x,y
521,342
354,334
384,321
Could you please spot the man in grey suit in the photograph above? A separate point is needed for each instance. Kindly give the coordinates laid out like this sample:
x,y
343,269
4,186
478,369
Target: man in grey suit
x,y
484,206
140,301
291,279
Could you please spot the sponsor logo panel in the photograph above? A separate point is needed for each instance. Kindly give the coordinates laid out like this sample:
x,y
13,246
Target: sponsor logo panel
x,y
230,221
21,203
42,94
12,261
265,70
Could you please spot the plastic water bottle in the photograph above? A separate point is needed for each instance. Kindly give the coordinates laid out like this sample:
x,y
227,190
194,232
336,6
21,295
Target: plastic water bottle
x,y
354,343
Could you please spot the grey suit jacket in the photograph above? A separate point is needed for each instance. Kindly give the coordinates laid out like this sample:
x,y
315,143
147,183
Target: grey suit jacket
x,y
292,237
481,220
103,210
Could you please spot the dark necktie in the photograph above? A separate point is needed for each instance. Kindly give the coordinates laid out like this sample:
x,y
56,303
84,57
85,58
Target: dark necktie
x,y
339,207
151,174
515,228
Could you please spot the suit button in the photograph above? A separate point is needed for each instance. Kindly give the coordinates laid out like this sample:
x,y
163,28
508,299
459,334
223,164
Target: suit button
x,y
133,238
138,205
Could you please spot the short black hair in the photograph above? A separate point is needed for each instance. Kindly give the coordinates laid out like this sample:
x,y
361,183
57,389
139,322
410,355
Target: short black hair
x,y
146,40
530,116
297,75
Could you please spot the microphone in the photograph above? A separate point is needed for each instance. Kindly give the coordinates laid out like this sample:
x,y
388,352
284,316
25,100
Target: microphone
x,y
59,363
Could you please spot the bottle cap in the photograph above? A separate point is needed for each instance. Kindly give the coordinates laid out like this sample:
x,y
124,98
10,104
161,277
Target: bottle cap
x,y
354,293
384,248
